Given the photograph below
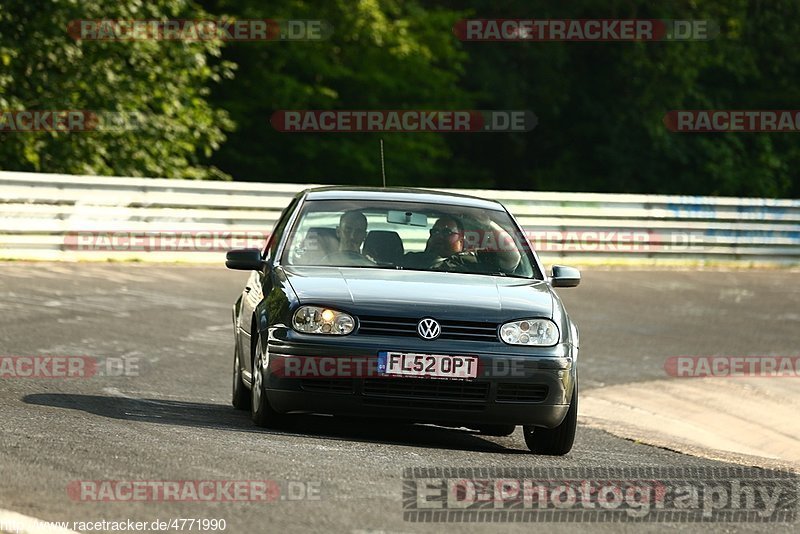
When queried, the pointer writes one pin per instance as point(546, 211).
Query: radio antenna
point(383, 166)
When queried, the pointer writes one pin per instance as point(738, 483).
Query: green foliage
point(43, 68)
point(600, 105)
point(390, 54)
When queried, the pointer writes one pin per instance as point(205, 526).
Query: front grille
point(424, 404)
point(511, 392)
point(427, 388)
point(317, 385)
point(407, 327)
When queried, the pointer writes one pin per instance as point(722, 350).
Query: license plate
point(427, 365)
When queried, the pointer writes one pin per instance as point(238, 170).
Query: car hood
point(406, 293)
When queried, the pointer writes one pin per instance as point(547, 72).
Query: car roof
point(400, 194)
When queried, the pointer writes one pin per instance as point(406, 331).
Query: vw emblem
point(428, 329)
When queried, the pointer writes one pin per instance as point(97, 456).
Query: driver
point(352, 231)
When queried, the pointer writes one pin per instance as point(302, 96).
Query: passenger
point(444, 250)
point(446, 238)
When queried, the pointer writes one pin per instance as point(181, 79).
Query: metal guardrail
point(64, 217)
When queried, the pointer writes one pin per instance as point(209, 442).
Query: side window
point(274, 237)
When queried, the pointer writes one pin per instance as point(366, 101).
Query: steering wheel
point(351, 256)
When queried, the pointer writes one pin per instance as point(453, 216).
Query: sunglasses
point(447, 232)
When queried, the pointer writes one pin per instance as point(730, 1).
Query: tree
point(390, 54)
point(600, 105)
point(43, 68)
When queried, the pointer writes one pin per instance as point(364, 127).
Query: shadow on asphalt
point(221, 417)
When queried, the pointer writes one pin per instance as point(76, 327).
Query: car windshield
point(409, 235)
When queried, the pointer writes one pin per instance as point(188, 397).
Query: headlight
point(533, 332)
point(318, 320)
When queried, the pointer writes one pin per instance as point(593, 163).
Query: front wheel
point(260, 410)
point(240, 397)
point(555, 441)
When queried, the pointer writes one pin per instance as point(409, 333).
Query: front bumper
point(514, 386)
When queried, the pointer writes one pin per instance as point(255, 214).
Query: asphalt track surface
point(174, 420)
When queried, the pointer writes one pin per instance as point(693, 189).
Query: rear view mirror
point(564, 276)
point(407, 218)
point(244, 259)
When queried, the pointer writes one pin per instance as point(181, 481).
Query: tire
point(554, 441)
point(260, 410)
point(496, 430)
point(240, 395)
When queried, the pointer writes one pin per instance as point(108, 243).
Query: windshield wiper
point(376, 266)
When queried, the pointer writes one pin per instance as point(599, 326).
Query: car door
point(257, 283)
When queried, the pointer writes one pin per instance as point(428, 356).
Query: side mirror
point(244, 259)
point(564, 276)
